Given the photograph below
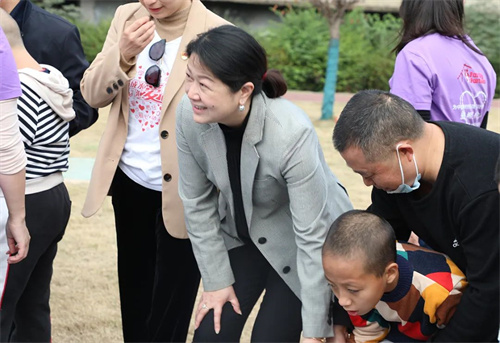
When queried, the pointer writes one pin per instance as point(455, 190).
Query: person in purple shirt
point(438, 68)
point(14, 236)
point(10, 87)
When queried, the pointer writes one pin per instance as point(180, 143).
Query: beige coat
point(105, 82)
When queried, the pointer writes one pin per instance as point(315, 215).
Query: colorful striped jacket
point(429, 288)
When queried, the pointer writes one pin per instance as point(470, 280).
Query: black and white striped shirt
point(45, 135)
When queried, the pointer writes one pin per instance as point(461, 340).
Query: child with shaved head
point(384, 284)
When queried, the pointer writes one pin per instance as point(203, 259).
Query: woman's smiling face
point(211, 99)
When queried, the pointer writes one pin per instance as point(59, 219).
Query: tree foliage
point(483, 26)
point(69, 12)
point(297, 46)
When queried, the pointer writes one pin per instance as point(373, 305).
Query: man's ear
point(391, 273)
point(406, 148)
point(246, 92)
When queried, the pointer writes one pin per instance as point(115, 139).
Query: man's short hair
point(375, 121)
point(361, 234)
point(11, 30)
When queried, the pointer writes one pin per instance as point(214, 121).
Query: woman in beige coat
point(140, 72)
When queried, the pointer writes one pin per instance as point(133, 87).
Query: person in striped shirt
point(14, 235)
point(44, 110)
point(390, 290)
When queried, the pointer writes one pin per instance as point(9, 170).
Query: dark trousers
point(157, 274)
point(279, 318)
point(25, 313)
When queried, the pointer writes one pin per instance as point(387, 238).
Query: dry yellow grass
point(84, 301)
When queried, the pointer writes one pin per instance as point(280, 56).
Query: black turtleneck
point(234, 139)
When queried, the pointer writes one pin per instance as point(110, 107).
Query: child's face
point(357, 291)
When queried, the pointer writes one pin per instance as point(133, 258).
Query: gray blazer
point(290, 197)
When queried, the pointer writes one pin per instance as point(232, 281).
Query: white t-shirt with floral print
point(140, 159)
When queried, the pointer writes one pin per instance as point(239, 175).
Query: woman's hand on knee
point(215, 300)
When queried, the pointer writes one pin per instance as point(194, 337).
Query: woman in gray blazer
point(257, 193)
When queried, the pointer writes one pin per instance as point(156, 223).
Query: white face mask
point(403, 187)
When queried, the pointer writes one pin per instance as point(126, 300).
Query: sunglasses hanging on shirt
point(153, 74)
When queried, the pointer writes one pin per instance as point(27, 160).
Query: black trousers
point(25, 313)
point(157, 274)
point(279, 318)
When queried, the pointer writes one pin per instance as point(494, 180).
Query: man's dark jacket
point(52, 40)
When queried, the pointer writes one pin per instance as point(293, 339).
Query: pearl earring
point(241, 108)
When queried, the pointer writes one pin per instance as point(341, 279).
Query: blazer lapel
point(249, 154)
point(215, 148)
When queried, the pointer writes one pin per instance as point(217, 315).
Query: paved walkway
point(79, 169)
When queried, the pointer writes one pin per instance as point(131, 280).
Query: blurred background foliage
point(297, 43)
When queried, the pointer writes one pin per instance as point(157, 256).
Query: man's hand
point(215, 300)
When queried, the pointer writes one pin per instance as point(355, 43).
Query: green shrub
point(69, 12)
point(483, 25)
point(365, 60)
point(93, 37)
point(297, 46)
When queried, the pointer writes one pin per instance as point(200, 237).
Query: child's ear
point(391, 272)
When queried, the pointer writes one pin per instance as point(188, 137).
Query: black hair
point(423, 17)
point(361, 234)
point(235, 57)
point(375, 121)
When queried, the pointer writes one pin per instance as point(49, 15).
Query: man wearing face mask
point(437, 180)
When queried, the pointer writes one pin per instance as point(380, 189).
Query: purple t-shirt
point(10, 87)
point(443, 75)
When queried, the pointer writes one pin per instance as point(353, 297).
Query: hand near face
point(215, 301)
point(136, 37)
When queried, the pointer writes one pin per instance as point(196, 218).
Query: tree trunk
point(330, 79)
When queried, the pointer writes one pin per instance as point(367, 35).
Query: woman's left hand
point(215, 300)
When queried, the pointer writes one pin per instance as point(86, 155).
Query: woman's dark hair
point(423, 17)
point(235, 57)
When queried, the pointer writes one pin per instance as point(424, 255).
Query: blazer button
point(262, 240)
point(120, 83)
point(115, 86)
point(164, 134)
point(109, 90)
point(286, 270)
point(167, 177)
